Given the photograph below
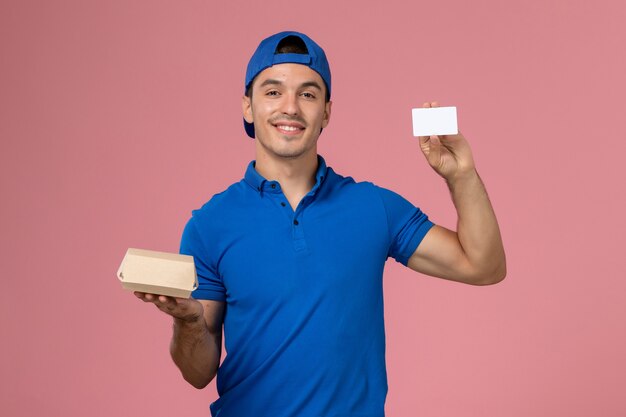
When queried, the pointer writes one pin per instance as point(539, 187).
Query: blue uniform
point(303, 326)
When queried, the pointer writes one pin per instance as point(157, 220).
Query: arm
point(196, 345)
point(474, 254)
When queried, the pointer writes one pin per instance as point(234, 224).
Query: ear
point(246, 108)
point(327, 114)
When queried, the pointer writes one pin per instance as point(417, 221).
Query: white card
point(434, 121)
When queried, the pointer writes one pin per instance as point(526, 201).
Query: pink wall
point(117, 118)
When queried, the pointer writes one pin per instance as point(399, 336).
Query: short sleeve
point(407, 225)
point(210, 285)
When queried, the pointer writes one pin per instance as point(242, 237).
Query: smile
point(289, 128)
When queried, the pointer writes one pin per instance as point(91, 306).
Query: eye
point(308, 95)
point(272, 93)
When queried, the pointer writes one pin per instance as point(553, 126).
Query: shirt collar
point(260, 183)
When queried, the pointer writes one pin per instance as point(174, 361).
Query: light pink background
point(117, 118)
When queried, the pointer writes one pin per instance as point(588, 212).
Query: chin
point(286, 148)
point(292, 154)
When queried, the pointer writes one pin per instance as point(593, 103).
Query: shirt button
point(273, 185)
point(282, 204)
point(295, 222)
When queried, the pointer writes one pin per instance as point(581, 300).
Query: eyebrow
point(271, 81)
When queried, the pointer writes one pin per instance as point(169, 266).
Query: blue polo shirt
point(303, 326)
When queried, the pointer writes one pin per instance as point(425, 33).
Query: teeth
point(291, 128)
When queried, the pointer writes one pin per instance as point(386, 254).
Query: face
point(288, 109)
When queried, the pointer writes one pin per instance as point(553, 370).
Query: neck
point(296, 176)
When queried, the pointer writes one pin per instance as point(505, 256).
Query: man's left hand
point(449, 155)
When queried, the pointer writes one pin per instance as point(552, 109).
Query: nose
point(290, 104)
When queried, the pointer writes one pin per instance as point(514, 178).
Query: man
point(290, 259)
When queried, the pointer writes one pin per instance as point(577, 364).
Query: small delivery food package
point(161, 273)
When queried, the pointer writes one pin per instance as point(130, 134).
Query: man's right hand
point(197, 335)
point(185, 309)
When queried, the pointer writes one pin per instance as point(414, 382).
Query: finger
point(434, 104)
point(156, 299)
point(142, 296)
point(145, 297)
point(167, 302)
point(173, 307)
point(423, 141)
point(426, 104)
point(435, 150)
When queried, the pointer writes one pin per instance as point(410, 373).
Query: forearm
point(477, 228)
point(196, 351)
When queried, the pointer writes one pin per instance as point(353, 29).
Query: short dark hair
point(291, 45)
point(288, 45)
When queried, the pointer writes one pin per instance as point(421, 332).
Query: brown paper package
point(160, 273)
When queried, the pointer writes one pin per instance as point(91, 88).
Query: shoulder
point(348, 183)
point(221, 203)
point(209, 219)
point(356, 193)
